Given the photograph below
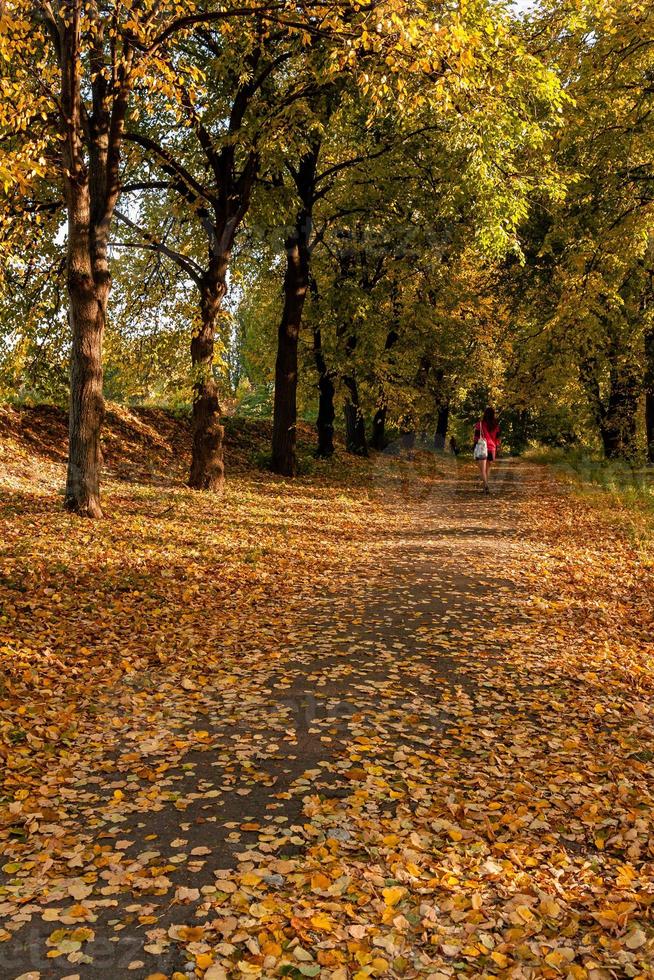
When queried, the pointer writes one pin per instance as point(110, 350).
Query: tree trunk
point(207, 466)
point(442, 422)
point(87, 308)
point(649, 425)
point(296, 285)
point(649, 394)
point(408, 439)
point(284, 436)
point(618, 425)
point(355, 426)
point(326, 392)
point(90, 197)
point(326, 416)
point(378, 437)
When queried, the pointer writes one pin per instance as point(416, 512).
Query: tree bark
point(87, 308)
point(284, 436)
point(233, 199)
point(649, 425)
point(442, 421)
point(296, 285)
point(378, 436)
point(207, 465)
point(408, 439)
point(619, 420)
point(326, 392)
point(355, 426)
point(90, 193)
point(91, 141)
point(616, 413)
point(649, 394)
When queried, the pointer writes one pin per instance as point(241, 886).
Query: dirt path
point(420, 784)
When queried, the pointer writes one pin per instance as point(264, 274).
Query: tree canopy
point(386, 210)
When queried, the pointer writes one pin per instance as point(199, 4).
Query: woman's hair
point(489, 418)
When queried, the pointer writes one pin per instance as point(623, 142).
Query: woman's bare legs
point(483, 469)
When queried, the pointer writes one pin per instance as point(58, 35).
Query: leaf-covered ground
point(365, 725)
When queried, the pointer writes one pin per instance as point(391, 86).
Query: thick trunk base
point(284, 457)
point(355, 431)
point(207, 464)
point(77, 501)
point(326, 392)
point(355, 424)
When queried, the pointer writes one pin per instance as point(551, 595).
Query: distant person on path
point(486, 431)
point(454, 446)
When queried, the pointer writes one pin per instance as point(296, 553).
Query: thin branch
point(192, 269)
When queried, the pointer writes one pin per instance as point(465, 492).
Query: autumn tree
point(585, 293)
point(77, 65)
point(248, 119)
point(254, 94)
point(87, 70)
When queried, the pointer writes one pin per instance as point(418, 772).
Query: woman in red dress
point(488, 429)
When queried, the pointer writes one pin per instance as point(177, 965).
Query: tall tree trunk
point(649, 394)
point(649, 424)
point(296, 285)
point(355, 426)
point(442, 421)
point(618, 424)
point(207, 465)
point(284, 436)
point(91, 139)
point(378, 436)
point(326, 392)
point(88, 207)
point(87, 308)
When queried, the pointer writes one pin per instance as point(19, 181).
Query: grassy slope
point(622, 493)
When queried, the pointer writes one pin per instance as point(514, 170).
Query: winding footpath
point(443, 771)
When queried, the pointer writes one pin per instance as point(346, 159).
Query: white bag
point(481, 446)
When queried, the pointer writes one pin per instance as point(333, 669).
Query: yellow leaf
point(555, 959)
point(322, 922)
point(250, 878)
point(320, 882)
point(393, 894)
point(549, 907)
